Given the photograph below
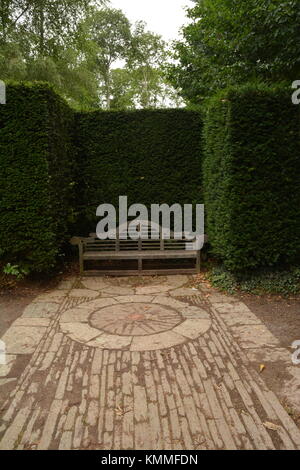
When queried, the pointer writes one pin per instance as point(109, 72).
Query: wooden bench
point(93, 249)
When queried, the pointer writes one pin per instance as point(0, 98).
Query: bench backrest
point(151, 239)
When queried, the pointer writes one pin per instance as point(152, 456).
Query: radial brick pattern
point(135, 319)
point(195, 389)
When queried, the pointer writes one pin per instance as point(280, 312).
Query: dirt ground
point(14, 300)
point(281, 316)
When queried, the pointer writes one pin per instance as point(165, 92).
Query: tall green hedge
point(149, 156)
point(252, 177)
point(54, 163)
point(36, 165)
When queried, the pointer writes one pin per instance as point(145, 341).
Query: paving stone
point(169, 302)
point(184, 291)
point(268, 354)
point(41, 310)
point(117, 290)
point(95, 283)
point(236, 307)
point(291, 386)
point(9, 362)
point(178, 280)
point(49, 427)
point(254, 336)
point(10, 439)
point(190, 386)
point(53, 296)
point(87, 293)
point(194, 313)
point(6, 381)
point(162, 286)
point(66, 284)
point(31, 321)
point(99, 303)
point(80, 331)
point(66, 441)
point(237, 314)
point(23, 339)
point(217, 298)
point(107, 341)
point(76, 315)
point(192, 328)
point(70, 420)
point(146, 290)
point(135, 299)
point(155, 342)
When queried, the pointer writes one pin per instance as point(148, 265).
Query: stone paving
point(139, 363)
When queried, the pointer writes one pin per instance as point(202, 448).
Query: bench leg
point(198, 262)
point(81, 267)
point(140, 266)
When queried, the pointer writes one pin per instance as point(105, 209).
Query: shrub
point(150, 156)
point(35, 176)
point(281, 281)
point(252, 177)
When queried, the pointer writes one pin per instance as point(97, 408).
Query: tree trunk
point(146, 99)
point(107, 89)
point(42, 30)
point(4, 20)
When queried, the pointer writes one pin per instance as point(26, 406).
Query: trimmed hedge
point(36, 164)
point(150, 156)
point(251, 172)
point(252, 177)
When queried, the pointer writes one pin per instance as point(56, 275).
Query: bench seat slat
point(148, 254)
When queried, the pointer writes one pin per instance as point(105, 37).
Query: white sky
point(164, 17)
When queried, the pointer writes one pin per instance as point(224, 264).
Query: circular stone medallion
point(135, 319)
point(134, 323)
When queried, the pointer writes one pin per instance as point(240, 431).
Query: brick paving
point(140, 363)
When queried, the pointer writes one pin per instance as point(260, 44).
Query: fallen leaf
point(271, 426)
point(262, 368)
point(120, 412)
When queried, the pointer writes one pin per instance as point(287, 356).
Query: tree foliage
point(233, 41)
point(106, 35)
point(77, 45)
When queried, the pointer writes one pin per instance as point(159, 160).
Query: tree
point(146, 58)
point(108, 33)
point(11, 12)
point(122, 89)
point(48, 22)
point(80, 49)
point(230, 41)
point(127, 91)
point(39, 41)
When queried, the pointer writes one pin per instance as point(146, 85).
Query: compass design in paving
point(135, 323)
point(135, 319)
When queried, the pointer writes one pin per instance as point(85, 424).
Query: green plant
point(252, 177)
point(15, 270)
point(282, 281)
point(150, 156)
point(232, 41)
point(36, 172)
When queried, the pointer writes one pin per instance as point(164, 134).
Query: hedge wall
point(150, 156)
point(36, 164)
point(252, 177)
